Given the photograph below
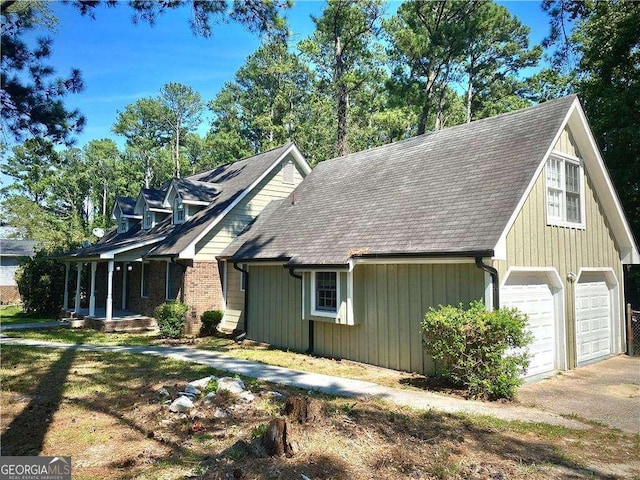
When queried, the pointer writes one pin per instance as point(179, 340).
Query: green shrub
point(171, 318)
point(482, 351)
point(41, 284)
point(210, 320)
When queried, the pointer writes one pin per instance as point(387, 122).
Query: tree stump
point(276, 439)
point(302, 409)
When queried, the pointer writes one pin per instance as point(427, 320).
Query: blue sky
point(122, 62)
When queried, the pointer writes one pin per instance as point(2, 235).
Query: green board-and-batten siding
point(275, 308)
point(533, 243)
point(389, 304)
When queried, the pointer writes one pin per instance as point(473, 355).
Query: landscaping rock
point(232, 385)
point(181, 404)
point(275, 395)
point(209, 399)
point(246, 397)
point(192, 390)
point(163, 393)
point(203, 382)
point(219, 413)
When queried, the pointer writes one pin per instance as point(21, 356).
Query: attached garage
point(593, 316)
point(536, 293)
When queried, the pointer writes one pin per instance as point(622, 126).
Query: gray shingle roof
point(447, 192)
point(153, 197)
point(230, 181)
point(16, 248)
point(126, 204)
point(194, 190)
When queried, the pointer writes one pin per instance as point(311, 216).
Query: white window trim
point(176, 202)
point(325, 313)
point(146, 211)
point(243, 266)
point(126, 224)
point(142, 275)
point(564, 158)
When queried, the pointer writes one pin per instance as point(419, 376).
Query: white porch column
point(92, 297)
point(125, 265)
point(76, 307)
point(65, 302)
point(109, 306)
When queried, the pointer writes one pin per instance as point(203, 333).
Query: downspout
point(494, 280)
point(246, 299)
point(311, 338)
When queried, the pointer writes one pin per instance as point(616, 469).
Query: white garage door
point(533, 296)
point(593, 317)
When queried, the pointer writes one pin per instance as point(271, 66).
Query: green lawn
point(12, 315)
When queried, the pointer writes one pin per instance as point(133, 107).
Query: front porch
point(119, 321)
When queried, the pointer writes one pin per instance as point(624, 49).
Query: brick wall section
point(202, 288)
point(9, 294)
point(202, 291)
point(156, 296)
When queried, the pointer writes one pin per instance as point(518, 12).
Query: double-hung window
point(325, 289)
point(123, 225)
point(147, 221)
point(564, 192)
point(178, 209)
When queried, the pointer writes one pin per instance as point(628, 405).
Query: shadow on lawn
point(25, 435)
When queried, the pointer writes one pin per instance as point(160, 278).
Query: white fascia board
point(190, 250)
point(137, 217)
point(299, 158)
point(500, 249)
point(165, 200)
point(140, 204)
point(111, 253)
point(115, 210)
point(605, 189)
point(195, 202)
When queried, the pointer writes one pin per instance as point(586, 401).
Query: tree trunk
point(104, 199)
point(342, 148)
point(177, 151)
point(470, 90)
point(147, 172)
point(428, 99)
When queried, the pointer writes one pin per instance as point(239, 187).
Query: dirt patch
point(104, 411)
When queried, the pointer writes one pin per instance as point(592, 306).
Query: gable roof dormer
point(124, 207)
point(152, 199)
point(192, 192)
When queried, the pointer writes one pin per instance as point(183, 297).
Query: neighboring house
point(12, 253)
point(517, 210)
point(166, 241)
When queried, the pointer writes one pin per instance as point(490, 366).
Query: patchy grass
point(248, 351)
point(85, 336)
point(12, 315)
point(102, 409)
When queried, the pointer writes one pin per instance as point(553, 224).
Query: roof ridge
point(243, 159)
point(474, 123)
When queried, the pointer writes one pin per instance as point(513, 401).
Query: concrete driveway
point(607, 392)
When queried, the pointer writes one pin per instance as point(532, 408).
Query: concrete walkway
point(31, 326)
point(338, 386)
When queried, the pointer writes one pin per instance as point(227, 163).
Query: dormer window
point(147, 221)
point(179, 213)
point(123, 225)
